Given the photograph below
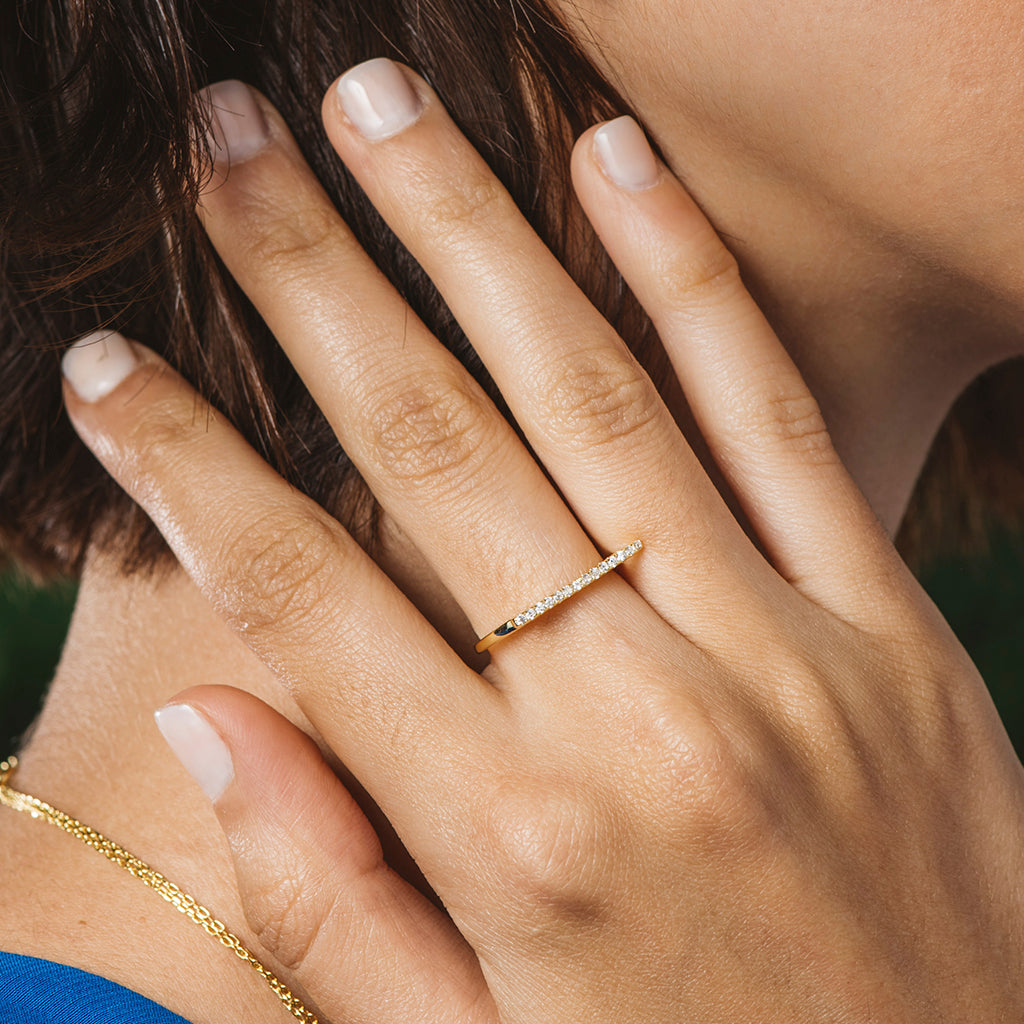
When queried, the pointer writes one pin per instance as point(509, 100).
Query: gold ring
point(526, 617)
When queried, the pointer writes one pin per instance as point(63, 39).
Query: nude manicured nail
point(197, 746)
point(97, 363)
point(378, 99)
point(238, 129)
point(625, 155)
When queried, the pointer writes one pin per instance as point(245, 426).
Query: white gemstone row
point(577, 584)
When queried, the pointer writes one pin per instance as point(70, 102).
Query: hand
point(726, 782)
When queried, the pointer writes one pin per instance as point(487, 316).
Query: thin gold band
point(526, 617)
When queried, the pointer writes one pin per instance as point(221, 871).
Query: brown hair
point(98, 188)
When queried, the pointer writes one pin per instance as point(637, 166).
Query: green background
point(983, 598)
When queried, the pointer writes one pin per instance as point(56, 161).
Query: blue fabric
point(42, 992)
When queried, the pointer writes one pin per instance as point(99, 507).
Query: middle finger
point(583, 401)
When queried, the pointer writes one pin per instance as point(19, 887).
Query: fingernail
point(197, 746)
point(97, 363)
point(238, 129)
point(378, 99)
point(625, 155)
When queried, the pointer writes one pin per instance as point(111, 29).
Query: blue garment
point(42, 992)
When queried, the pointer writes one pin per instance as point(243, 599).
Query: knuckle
point(794, 419)
point(694, 278)
point(155, 436)
point(699, 796)
point(542, 845)
point(427, 430)
point(465, 207)
point(683, 754)
point(722, 813)
point(780, 415)
point(160, 442)
point(596, 399)
point(284, 242)
point(285, 921)
point(280, 572)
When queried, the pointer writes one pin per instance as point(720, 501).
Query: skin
point(127, 632)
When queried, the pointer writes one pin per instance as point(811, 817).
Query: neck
point(95, 753)
point(885, 364)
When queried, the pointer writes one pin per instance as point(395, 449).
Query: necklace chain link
point(182, 901)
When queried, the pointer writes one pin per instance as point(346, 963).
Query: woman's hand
point(726, 782)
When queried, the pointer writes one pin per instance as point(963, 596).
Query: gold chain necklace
point(140, 869)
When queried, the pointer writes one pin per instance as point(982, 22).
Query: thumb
point(338, 922)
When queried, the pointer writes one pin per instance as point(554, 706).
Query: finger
point(433, 448)
point(388, 695)
point(588, 409)
point(316, 891)
point(753, 408)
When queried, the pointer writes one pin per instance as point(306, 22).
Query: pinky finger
point(756, 413)
point(338, 923)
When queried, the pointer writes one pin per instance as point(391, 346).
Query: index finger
point(384, 689)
